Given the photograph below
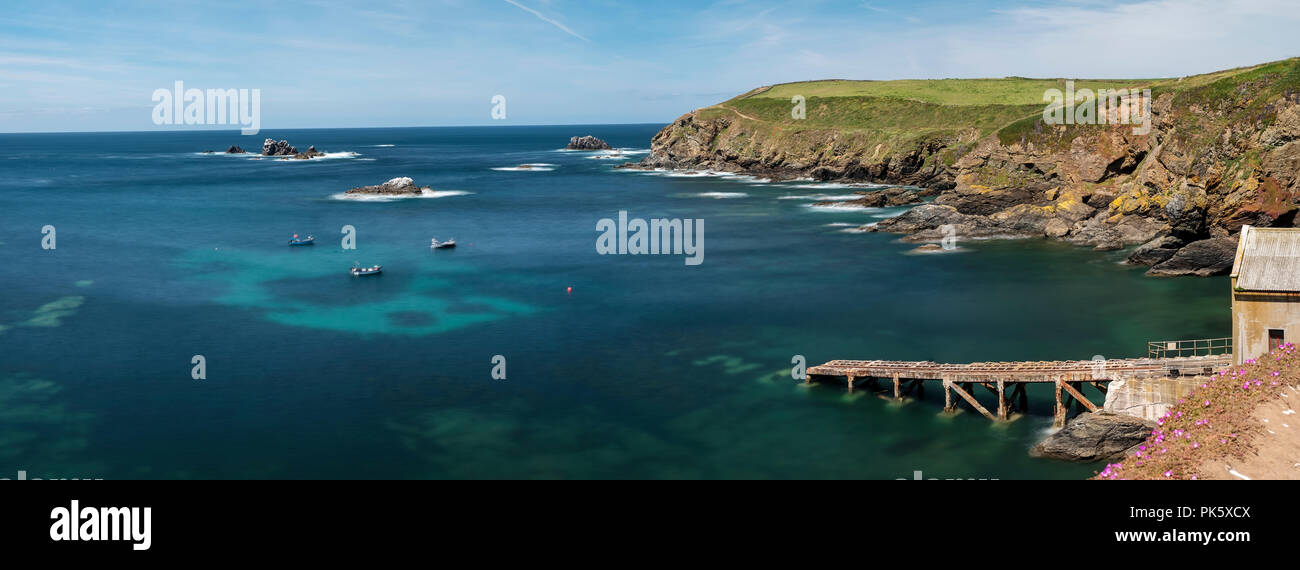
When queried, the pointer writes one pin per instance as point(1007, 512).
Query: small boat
point(304, 241)
point(443, 244)
point(359, 271)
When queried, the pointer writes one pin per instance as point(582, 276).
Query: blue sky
point(92, 66)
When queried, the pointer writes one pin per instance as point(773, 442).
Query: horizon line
point(236, 129)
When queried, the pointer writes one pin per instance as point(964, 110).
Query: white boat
point(435, 244)
point(375, 270)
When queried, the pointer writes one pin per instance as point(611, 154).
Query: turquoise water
point(648, 368)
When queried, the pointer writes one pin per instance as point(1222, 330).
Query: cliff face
point(1223, 150)
point(730, 144)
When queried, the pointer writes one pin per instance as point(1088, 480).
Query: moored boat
point(374, 270)
point(309, 240)
point(443, 244)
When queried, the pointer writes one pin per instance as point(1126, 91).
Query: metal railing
point(1186, 348)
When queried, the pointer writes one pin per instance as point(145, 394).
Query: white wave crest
point(720, 195)
point(532, 167)
point(385, 198)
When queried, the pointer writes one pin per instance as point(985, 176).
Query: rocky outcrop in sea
point(1095, 436)
point(272, 147)
point(587, 143)
point(885, 197)
point(395, 187)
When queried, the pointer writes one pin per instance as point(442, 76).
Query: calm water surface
point(648, 368)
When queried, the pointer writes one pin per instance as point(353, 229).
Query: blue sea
point(615, 366)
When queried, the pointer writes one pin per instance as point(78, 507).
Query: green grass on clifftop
point(902, 114)
point(1009, 91)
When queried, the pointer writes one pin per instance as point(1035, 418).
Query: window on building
point(1276, 338)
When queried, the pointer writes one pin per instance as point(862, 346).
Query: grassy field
point(887, 118)
point(1010, 91)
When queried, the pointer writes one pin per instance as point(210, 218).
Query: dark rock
point(282, 148)
point(311, 153)
point(1155, 251)
point(989, 202)
point(587, 143)
point(1095, 436)
point(926, 223)
point(824, 173)
point(879, 198)
point(395, 187)
point(1202, 258)
point(234, 150)
point(1100, 198)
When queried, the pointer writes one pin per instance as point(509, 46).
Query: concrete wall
point(1253, 314)
point(1148, 398)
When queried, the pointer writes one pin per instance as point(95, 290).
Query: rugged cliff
point(1222, 150)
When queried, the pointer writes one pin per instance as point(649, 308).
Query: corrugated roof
point(1270, 260)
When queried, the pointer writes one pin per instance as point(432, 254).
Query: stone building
point(1265, 291)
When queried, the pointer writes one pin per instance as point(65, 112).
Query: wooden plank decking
point(1067, 376)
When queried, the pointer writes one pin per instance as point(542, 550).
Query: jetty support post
point(948, 405)
point(898, 395)
point(1002, 400)
point(1077, 392)
point(1058, 412)
point(850, 379)
point(965, 395)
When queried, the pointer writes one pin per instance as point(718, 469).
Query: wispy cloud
point(544, 18)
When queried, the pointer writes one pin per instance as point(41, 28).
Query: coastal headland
point(1218, 151)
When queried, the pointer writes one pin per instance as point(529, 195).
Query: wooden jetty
point(1067, 376)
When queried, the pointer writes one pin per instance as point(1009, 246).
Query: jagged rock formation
point(311, 152)
point(286, 151)
point(234, 150)
point(587, 143)
point(1095, 436)
point(395, 187)
point(1223, 150)
point(270, 147)
point(882, 198)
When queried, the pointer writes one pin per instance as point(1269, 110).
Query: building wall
point(1253, 314)
point(1148, 398)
